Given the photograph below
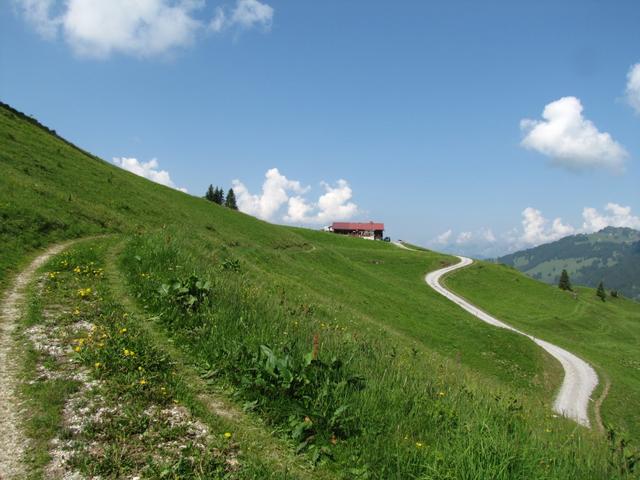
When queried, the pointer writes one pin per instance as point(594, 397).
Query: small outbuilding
point(368, 230)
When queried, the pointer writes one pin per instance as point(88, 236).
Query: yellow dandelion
point(419, 445)
point(441, 394)
point(143, 381)
point(227, 434)
point(77, 349)
point(97, 364)
point(123, 330)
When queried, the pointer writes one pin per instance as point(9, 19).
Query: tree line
point(216, 195)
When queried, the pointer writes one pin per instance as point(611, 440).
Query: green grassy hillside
point(611, 255)
point(606, 334)
point(335, 343)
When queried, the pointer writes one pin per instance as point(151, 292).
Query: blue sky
point(410, 113)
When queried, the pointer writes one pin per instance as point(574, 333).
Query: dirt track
point(580, 379)
point(12, 440)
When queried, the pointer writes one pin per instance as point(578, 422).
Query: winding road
point(580, 378)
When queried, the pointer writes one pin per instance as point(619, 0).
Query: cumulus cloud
point(537, 229)
point(278, 191)
point(464, 237)
point(570, 139)
point(444, 237)
point(633, 87)
point(615, 216)
point(98, 28)
point(149, 170)
point(275, 193)
point(334, 205)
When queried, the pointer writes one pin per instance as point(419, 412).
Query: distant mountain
point(611, 255)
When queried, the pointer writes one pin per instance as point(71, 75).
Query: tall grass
point(386, 412)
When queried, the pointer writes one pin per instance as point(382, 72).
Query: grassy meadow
point(332, 349)
point(606, 334)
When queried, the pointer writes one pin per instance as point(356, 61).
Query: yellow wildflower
point(227, 434)
point(77, 349)
point(143, 381)
point(419, 445)
point(97, 364)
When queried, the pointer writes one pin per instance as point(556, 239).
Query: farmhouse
point(369, 230)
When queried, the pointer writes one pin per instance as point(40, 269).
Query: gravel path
point(580, 378)
point(12, 441)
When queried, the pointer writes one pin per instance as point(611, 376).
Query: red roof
point(357, 226)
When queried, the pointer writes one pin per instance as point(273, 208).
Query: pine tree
point(601, 293)
point(220, 197)
point(230, 202)
point(564, 283)
point(210, 195)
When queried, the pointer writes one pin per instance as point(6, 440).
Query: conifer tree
point(230, 202)
point(601, 293)
point(210, 195)
point(220, 196)
point(564, 283)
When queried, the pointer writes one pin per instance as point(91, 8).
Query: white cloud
point(444, 237)
point(275, 194)
point(537, 230)
point(98, 28)
point(38, 14)
point(633, 87)
point(464, 237)
point(219, 20)
point(333, 205)
point(251, 12)
point(246, 14)
point(570, 139)
point(277, 191)
point(616, 216)
point(148, 170)
point(488, 236)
